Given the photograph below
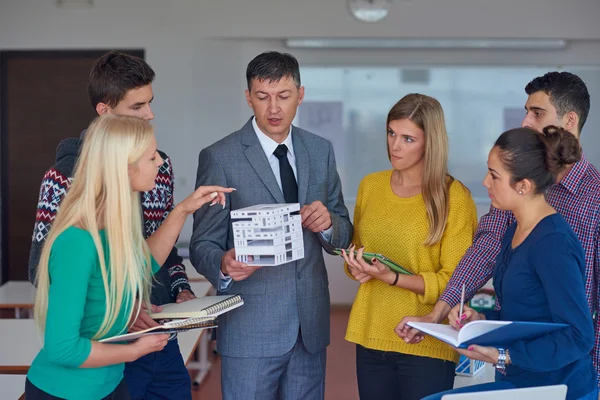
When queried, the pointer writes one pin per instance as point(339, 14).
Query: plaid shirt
point(577, 199)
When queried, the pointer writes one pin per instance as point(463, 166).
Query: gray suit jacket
point(278, 300)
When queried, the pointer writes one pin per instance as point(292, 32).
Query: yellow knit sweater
point(397, 227)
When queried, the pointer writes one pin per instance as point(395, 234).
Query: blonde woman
point(423, 219)
point(96, 263)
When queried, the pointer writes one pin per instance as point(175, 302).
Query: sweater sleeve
point(477, 265)
point(52, 190)
point(174, 262)
point(72, 260)
point(457, 237)
point(558, 262)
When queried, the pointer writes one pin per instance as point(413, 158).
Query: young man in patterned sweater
point(121, 84)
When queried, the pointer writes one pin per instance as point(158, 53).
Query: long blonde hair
point(427, 113)
point(101, 197)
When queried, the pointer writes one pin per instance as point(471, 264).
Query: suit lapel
point(256, 157)
point(302, 166)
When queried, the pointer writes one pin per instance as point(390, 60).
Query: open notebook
point(208, 306)
point(181, 325)
point(487, 333)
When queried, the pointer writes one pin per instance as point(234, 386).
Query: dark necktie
point(288, 180)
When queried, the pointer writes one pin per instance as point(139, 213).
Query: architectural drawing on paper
point(268, 234)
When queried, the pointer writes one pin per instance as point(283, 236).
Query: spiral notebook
point(208, 306)
point(169, 327)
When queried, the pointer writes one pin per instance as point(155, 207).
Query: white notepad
point(208, 306)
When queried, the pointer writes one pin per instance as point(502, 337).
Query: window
point(349, 106)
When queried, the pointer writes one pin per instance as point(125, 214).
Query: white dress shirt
point(269, 145)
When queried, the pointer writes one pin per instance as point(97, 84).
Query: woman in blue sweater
point(540, 270)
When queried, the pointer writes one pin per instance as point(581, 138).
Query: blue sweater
point(542, 280)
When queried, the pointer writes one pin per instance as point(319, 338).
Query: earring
point(520, 192)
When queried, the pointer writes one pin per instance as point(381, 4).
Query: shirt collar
point(571, 181)
point(269, 145)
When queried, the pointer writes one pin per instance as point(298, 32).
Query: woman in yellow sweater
point(423, 219)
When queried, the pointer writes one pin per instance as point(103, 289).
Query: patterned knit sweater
point(397, 227)
point(156, 205)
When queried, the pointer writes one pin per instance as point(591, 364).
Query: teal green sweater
point(76, 307)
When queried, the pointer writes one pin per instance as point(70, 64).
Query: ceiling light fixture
point(383, 43)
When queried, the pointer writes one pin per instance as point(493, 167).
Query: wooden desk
point(19, 345)
point(17, 295)
point(12, 386)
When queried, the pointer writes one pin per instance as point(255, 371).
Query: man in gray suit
point(275, 345)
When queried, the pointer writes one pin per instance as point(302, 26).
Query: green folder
point(381, 258)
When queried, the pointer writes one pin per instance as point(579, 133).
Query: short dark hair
point(114, 74)
point(273, 66)
point(539, 157)
point(567, 93)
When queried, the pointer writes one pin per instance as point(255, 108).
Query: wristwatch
point(503, 360)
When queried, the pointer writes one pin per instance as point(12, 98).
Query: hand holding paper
point(143, 320)
point(234, 268)
point(149, 344)
point(408, 333)
point(315, 217)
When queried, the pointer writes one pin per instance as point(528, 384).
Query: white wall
point(574, 19)
point(199, 50)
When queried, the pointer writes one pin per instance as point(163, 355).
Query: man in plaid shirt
point(561, 99)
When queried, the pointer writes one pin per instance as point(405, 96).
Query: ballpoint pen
point(462, 302)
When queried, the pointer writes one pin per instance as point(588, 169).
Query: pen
point(462, 302)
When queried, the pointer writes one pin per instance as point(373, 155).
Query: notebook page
point(477, 328)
